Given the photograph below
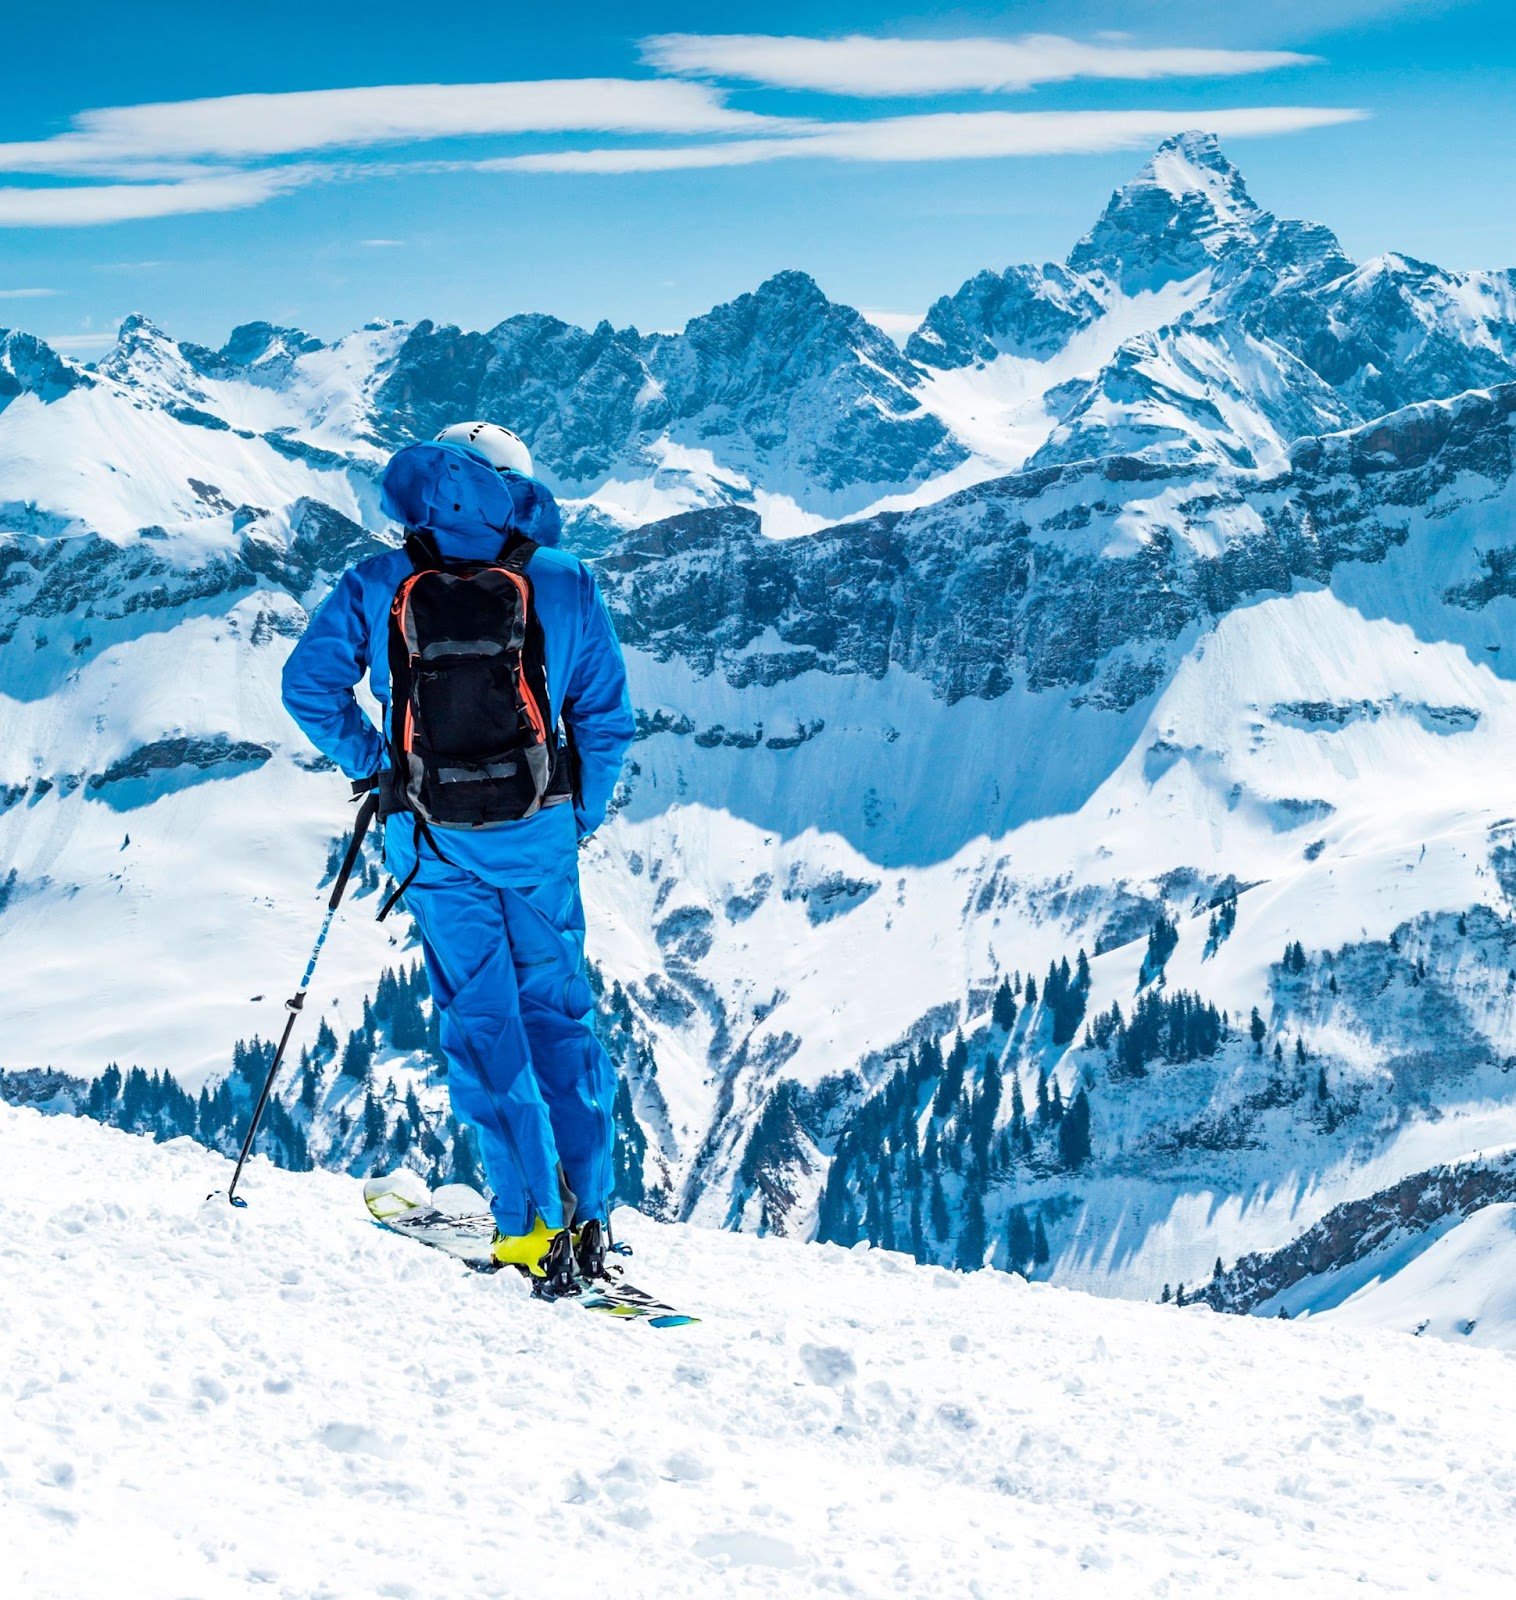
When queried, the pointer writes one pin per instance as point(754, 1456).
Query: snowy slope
point(200, 1401)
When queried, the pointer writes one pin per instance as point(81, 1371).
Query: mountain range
point(1070, 823)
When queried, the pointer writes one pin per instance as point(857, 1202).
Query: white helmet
point(504, 451)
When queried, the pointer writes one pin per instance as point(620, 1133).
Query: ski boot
point(545, 1255)
point(589, 1251)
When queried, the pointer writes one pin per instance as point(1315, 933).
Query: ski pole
point(296, 1002)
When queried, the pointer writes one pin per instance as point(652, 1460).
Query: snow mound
point(1460, 1286)
point(200, 1401)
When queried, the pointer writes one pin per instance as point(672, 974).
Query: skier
point(483, 841)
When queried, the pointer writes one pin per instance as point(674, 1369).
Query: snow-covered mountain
point(1152, 606)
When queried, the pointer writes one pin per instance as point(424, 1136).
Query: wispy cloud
point(79, 341)
point(28, 294)
point(82, 205)
point(859, 65)
point(157, 140)
point(942, 136)
point(382, 244)
point(173, 158)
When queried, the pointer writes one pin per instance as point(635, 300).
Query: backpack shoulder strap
point(421, 547)
point(517, 551)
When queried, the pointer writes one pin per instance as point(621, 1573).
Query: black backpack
point(470, 744)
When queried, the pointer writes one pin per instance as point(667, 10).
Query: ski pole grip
point(349, 861)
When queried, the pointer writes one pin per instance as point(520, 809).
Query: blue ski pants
point(525, 1068)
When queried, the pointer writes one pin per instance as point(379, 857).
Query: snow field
point(289, 1401)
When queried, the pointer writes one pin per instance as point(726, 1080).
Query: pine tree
point(326, 1042)
point(373, 1122)
point(408, 1021)
point(1030, 998)
point(1322, 1092)
point(1042, 1095)
point(1299, 1050)
point(385, 996)
point(1041, 1254)
point(941, 1223)
point(986, 1110)
point(885, 1237)
point(1257, 1029)
point(1074, 1132)
point(971, 1239)
point(1166, 1296)
point(1020, 1243)
point(912, 1179)
point(357, 1055)
point(1163, 940)
point(1003, 1014)
point(950, 1086)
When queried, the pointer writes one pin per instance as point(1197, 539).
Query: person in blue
point(498, 910)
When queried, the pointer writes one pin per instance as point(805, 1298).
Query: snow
point(201, 1401)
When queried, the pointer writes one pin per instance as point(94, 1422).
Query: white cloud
point(27, 294)
point(945, 136)
point(78, 341)
point(382, 244)
point(896, 325)
point(87, 204)
point(155, 141)
point(858, 65)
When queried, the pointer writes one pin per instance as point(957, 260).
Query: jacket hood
point(456, 494)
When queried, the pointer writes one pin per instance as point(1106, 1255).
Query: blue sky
point(644, 170)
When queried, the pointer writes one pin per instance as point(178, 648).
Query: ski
point(456, 1220)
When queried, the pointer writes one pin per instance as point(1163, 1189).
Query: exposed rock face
point(1354, 1231)
point(1007, 582)
point(28, 366)
point(1023, 311)
point(781, 381)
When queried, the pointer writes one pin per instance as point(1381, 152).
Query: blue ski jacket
point(470, 507)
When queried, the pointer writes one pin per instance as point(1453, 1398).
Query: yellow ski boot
point(545, 1254)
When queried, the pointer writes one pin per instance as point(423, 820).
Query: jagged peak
point(138, 325)
point(1186, 208)
point(1193, 163)
point(142, 346)
point(253, 342)
point(29, 365)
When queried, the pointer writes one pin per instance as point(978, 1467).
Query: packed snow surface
point(290, 1401)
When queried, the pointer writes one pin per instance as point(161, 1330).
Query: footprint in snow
point(741, 1549)
point(828, 1364)
point(352, 1438)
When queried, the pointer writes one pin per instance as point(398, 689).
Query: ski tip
point(394, 1194)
